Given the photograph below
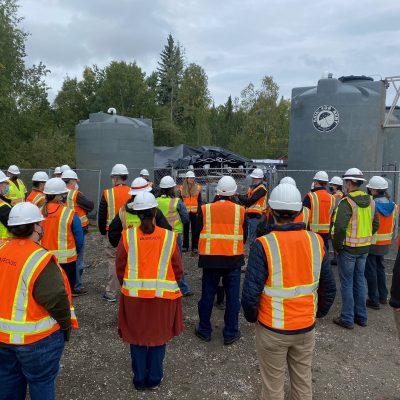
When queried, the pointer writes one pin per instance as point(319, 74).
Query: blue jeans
point(80, 266)
point(183, 285)
point(351, 273)
point(376, 278)
point(231, 284)
point(252, 228)
point(147, 365)
point(35, 364)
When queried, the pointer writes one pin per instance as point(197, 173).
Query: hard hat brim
point(280, 205)
point(137, 191)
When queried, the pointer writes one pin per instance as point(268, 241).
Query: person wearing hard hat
point(36, 196)
point(223, 232)
point(280, 293)
point(78, 202)
point(5, 207)
point(57, 172)
point(144, 173)
point(36, 312)
point(126, 218)
point(64, 168)
point(381, 241)
point(255, 202)
point(356, 221)
point(336, 189)
point(63, 234)
point(149, 269)
point(17, 190)
point(190, 193)
point(176, 214)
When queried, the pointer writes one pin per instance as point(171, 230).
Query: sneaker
point(338, 321)
point(228, 342)
point(109, 299)
point(201, 336)
point(155, 387)
point(361, 323)
point(372, 305)
point(80, 292)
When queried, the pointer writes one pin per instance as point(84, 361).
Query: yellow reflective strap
point(208, 228)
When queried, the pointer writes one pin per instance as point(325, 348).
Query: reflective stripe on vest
point(73, 205)
point(128, 220)
point(384, 235)
point(109, 196)
point(208, 235)
point(36, 199)
point(304, 216)
point(191, 202)
point(260, 206)
point(16, 194)
point(276, 291)
point(169, 207)
point(4, 233)
point(160, 285)
point(315, 223)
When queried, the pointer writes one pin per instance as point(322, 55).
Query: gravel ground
point(359, 364)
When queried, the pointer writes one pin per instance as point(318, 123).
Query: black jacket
point(249, 201)
point(257, 275)
point(5, 211)
point(395, 290)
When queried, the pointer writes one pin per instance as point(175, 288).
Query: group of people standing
point(289, 281)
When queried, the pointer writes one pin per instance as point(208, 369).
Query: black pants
point(192, 226)
point(70, 271)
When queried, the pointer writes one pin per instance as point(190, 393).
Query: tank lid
point(350, 78)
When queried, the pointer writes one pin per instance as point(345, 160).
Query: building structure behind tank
point(106, 139)
point(336, 125)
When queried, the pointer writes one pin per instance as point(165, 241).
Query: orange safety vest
point(191, 202)
point(36, 197)
point(260, 206)
point(304, 216)
point(22, 319)
point(289, 299)
point(58, 237)
point(322, 207)
point(222, 232)
point(149, 272)
point(384, 234)
point(115, 197)
point(338, 196)
point(73, 205)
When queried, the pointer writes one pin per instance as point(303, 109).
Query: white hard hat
point(257, 174)
point(144, 172)
point(321, 176)
point(40, 176)
point(289, 180)
point(119, 169)
point(167, 182)
point(139, 185)
point(57, 170)
point(190, 174)
point(378, 183)
point(3, 177)
point(226, 186)
point(55, 186)
point(144, 201)
point(353, 174)
point(13, 169)
point(24, 213)
point(336, 180)
point(69, 174)
point(64, 167)
point(285, 197)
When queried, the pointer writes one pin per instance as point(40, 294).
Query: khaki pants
point(397, 320)
point(113, 285)
point(274, 351)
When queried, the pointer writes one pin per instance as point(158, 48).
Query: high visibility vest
point(36, 197)
point(149, 272)
point(115, 197)
point(322, 207)
point(22, 319)
point(4, 233)
point(222, 232)
point(73, 205)
point(260, 206)
point(289, 299)
point(128, 220)
point(169, 207)
point(58, 237)
point(16, 194)
point(304, 216)
point(191, 202)
point(359, 230)
point(384, 235)
point(338, 196)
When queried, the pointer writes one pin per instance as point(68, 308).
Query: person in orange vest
point(36, 196)
point(149, 269)
point(78, 202)
point(36, 312)
point(190, 193)
point(280, 294)
point(63, 234)
point(255, 202)
point(381, 241)
point(5, 207)
point(223, 232)
point(111, 202)
point(17, 190)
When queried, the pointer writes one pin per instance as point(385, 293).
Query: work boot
point(80, 292)
point(338, 321)
point(228, 342)
point(372, 305)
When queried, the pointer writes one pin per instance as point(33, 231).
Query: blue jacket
point(77, 231)
point(257, 275)
point(182, 211)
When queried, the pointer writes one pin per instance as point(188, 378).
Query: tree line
point(37, 133)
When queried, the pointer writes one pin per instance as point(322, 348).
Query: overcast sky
point(235, 41)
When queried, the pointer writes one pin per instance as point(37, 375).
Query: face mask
point(312, 186)
point(41, 233)
point(76, 186)
point(5, 191)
